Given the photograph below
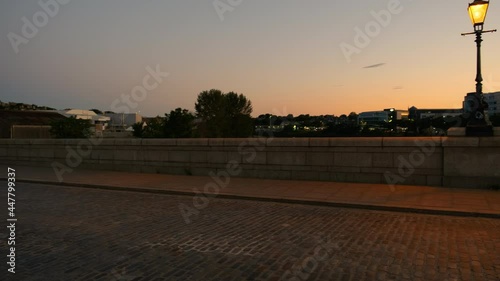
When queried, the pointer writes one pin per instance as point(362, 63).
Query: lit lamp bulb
point(477, 13)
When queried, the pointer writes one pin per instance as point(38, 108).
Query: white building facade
point(125, 120)
point(86, 115)
point(493, 100)
point(373, 117)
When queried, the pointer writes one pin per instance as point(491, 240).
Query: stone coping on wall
point(276, 142)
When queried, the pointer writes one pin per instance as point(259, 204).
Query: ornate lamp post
point(475, 106)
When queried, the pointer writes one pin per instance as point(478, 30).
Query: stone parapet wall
point(437, 161)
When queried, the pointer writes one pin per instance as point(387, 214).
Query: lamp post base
point(475, 112)
point(479, 131)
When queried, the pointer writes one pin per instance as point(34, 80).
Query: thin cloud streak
point(375, 65)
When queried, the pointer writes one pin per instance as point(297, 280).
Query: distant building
point(389, 115)
point(417, 114)
point(123, 119)
point(99, 122)
point(398, 114)
point(373, 117)
point(493, 100)
point(120, 121)
point(86, 115)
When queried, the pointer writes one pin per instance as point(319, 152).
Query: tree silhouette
point(224, 115)
point(70, 128)
point(154, 128)
point(179, 124)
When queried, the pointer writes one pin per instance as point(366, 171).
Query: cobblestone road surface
point(69, 233)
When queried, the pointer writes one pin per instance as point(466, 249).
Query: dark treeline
point(218, 115)
point(228, 115)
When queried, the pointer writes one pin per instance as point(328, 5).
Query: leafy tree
point(241, 126)
point(263, 120)
point(224, 115)
point(353, 117)
point(70, 128)
point(154, 128)
point(342, 129)
point(302, 118)
point(238, 120)
point(179, 124)
point(209, 109)
point(315, 122)
point(138, 129)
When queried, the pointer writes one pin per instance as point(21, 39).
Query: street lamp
point(475, 105)
point(477, 13)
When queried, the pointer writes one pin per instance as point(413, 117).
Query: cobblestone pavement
point(69, 233)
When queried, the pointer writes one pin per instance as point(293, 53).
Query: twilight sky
point(285, 56)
